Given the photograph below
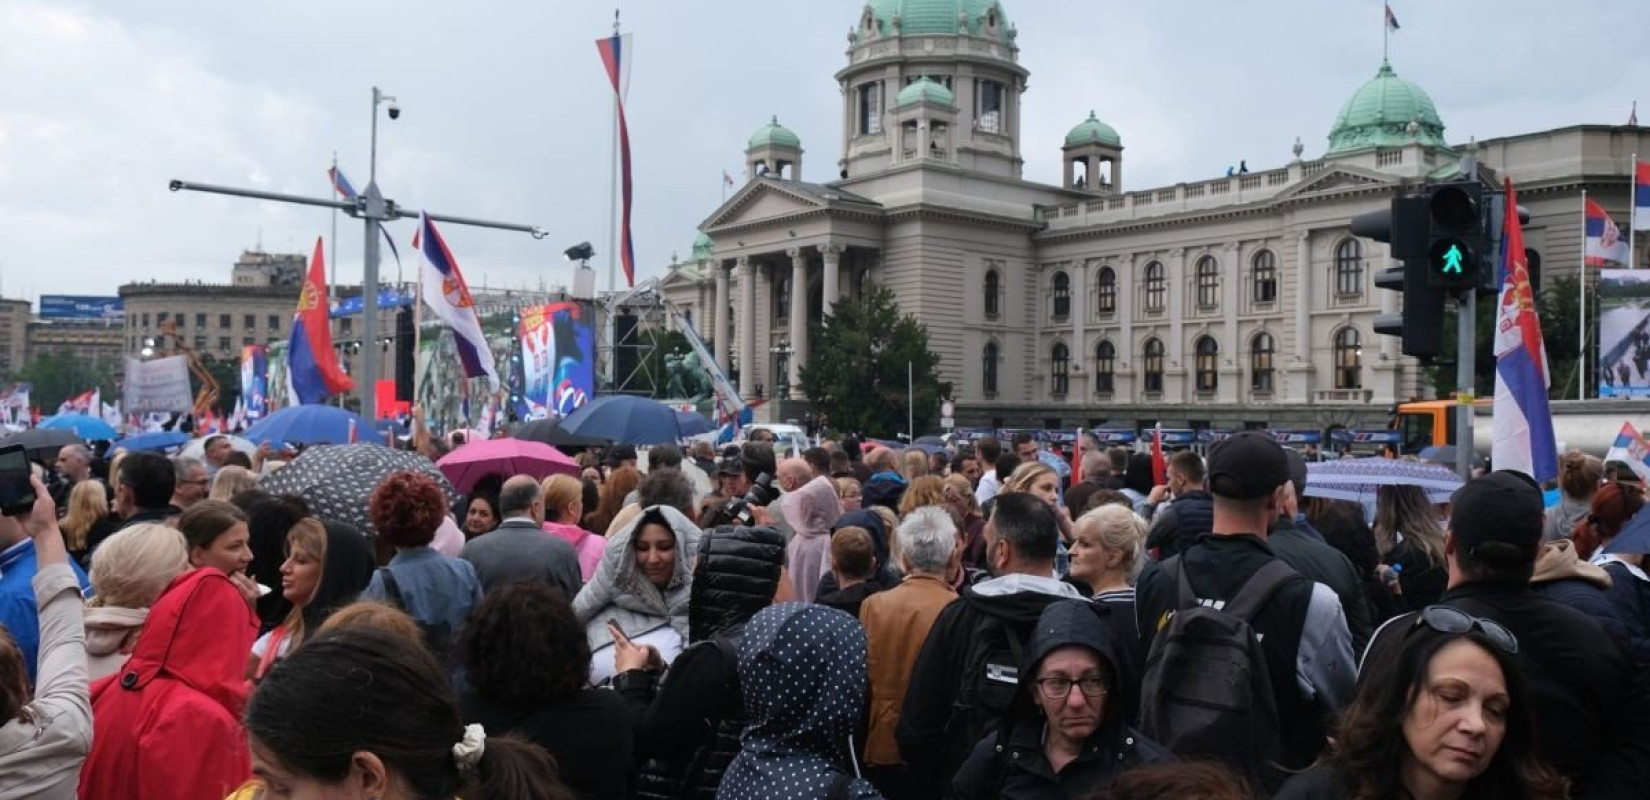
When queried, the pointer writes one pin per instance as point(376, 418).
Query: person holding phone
point(44, 738)
point(642, 586)
point(19, 610)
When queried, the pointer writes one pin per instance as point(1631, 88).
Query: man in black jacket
point(943, 715)
point(1592, 708)
point(1318, 561)
point(1191, 512)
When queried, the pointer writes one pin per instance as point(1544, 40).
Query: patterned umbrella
point(1359, 479)
point(337, 480)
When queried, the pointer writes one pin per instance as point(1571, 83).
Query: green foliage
point(1560, 308)
point(856, 368)
point(59, 376)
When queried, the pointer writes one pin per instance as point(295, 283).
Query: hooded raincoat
point(811, 510)
point(802, 671)
point(167, 725)
point(621, 593)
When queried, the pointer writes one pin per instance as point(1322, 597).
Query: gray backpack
point(1207, 691)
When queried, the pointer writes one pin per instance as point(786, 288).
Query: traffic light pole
point(1466, 351)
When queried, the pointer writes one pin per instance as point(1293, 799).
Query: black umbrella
point(549, 432)
point(337, 480)
point(41, 441)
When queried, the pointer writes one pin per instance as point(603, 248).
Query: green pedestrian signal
point(1452, 261)
point(1452, 265)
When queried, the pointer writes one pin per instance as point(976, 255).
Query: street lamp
point(782, 381)
point(374, 214)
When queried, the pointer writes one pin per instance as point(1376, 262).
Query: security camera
point(395, 111)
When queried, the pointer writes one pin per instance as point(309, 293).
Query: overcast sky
point(507, 109)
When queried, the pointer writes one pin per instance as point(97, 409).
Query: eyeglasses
point(1060, 688)
point(1445, 619)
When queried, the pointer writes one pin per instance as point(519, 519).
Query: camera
point(738, 512)
point(395, 111)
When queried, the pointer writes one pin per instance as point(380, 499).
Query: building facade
point(14, 322)
point(94, 341)
point(1243, 299)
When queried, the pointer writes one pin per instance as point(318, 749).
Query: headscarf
point(811, 510)
point(621, 593)
point(345, 573)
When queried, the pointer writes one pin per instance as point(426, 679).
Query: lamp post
point(372, 216)
point(782, 381)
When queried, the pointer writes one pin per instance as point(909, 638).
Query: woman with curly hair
point(614, 490)
point(437, 591)
point(1446, 716)
point(528, 665)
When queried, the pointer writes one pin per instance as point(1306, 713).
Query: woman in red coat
point(167, 725)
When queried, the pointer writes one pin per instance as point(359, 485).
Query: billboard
point(254, 381)
point(76, 306)
point(450, 401)
point(558, 359)
point(1624, 333)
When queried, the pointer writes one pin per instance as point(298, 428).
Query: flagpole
point(1386, 29)
point(330, 191)
point(1581, 358)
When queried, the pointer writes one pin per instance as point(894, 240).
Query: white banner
point(161, 384)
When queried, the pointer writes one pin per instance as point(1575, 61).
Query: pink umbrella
point(469, 464)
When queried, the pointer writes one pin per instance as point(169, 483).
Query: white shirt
point(988, 488)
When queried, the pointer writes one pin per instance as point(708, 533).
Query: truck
point(1586, 425)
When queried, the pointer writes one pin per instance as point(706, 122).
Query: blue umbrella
point(315, 424)
point(86, 427)
point(1634, 538)
point(693, 423)
point(625, 419)
point(159, 440)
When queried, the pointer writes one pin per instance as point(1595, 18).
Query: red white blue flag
point(1605, 244)
point(615, 52)
point(312, 365)
point(446, 293)
point(1641, 196)
point(1391, 18)
point(341, 184)
point(1523, 424)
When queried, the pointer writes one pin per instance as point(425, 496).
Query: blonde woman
point(848, 492)
point(130, 570)
point(1037, 478)
point(230, 481)
point(913, 464)
point(88, 522)
point(925, 490)
point(327, 566)
point(563, 509)
point(1107, 552)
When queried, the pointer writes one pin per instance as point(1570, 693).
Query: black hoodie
point(930, 741)
point(345, 573)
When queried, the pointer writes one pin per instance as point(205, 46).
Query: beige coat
point(896, 624)
point(41, 751)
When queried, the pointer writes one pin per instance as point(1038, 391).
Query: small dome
point(774, 134)
point(1379, 115)
point(703, 248)
point(930, 17)
point(926, 89)
point(1093, 131)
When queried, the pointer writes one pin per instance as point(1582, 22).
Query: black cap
point(731, 465)
point(1297, 470)
point(620, 453)
point(1247, 466)
point(1498, 517)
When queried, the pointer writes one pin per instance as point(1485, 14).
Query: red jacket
point(167, 725)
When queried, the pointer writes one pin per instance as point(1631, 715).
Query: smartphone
point(16, 493)
point(618, 634)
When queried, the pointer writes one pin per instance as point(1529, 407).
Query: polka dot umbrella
point(337, 480)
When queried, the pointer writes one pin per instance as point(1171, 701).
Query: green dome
point(1093, 131)
point(776, 135)
point(1379, 115)
point(703, 248)
point(928, 17)
point(926, 89)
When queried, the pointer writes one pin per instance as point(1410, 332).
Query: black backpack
point(1207, 690)
point(990, 682)
point(438, 636)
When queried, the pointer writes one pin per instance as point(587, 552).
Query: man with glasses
point(192, 482)
point(1592, 707)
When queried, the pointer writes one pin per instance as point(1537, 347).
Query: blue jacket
point(19, 611)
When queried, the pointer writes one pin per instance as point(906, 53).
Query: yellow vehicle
point(1586, 425)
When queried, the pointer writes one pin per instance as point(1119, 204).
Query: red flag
point(1160, 465)
point(1077, 459)
point(311, 361)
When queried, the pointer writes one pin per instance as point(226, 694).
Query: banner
point(558, 359)
point(74, 306)
point(1624, 333)
point(14, 403)
point(254, 381)
point(161, 384)
point(277, 381)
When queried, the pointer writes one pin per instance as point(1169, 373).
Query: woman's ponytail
point(514, 769)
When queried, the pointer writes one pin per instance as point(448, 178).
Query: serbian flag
point(312, 365)
point(1523, 424)
point(1641, 196)
point(1631, 448)
point(615, 52)
point(1160, 465)
point(1391, 18)
point(341, 184)
point(1605, 244)
point(446, 293)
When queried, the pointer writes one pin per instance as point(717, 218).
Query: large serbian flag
point(1605, 244)
point(615, 52)
point(1523, 421)
point(311, 362)
point(1641, 195)
point(446, 293)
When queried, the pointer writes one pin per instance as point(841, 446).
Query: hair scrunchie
point(467, 751)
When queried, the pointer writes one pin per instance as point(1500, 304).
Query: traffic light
point(1405, 226)
point(1457, 235)
point(404, 363)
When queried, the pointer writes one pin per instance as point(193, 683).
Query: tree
point(58, 376)
point(856, 370)
point(1560, 309)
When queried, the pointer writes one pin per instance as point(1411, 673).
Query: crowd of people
point(848, 622)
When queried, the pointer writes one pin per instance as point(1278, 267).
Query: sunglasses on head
point(1445, 619)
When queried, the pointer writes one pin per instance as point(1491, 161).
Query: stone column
point(1303, 297)
point(721, 331)
point(1079, 348)
point(829, 282)
point(1232, 349)
point(799, 317)
point(747, 327)
point(1123, 383)
point(1177, 311)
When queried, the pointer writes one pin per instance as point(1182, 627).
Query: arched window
point(1208, 283)
point(1154, 366)
point(1154, 287)
point(1105, 291)
point(1062, 295)
point(1349, 268)
point(993, 293)
point(988, 368)
point(1265, 276)
point(1105, 367)
point(1060, 368)
point(1348, 359)
point(782, 297)
point(1208, 364)
point(1261, 349)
